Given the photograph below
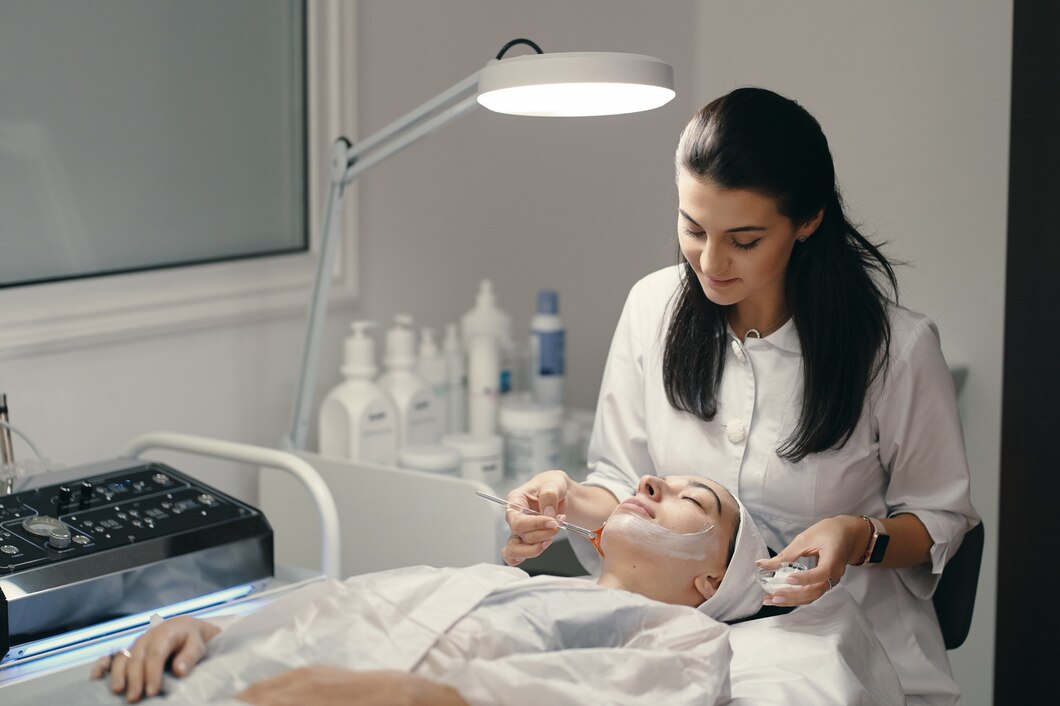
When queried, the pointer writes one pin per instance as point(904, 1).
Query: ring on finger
point(124, 652)
point(832, 583)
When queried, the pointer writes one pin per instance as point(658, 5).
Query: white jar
point(532, 437)
point(481, 457)
point(431, 458)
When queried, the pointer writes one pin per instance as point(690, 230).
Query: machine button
point(65, 498)
point(122, 516)
point(160, 478)
point(137, 523)
point(81, 539)
point(60, 539)
point(8, 549)
point(134, 513)
point(206, 499)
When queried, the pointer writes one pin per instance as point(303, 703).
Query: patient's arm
point(324, 686)
point(183, 639)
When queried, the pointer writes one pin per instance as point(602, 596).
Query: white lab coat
point(905, 456)
point(495, 634)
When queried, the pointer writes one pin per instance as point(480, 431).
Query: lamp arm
point(348, 163)
point(388, 132)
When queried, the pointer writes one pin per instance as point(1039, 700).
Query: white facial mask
point(658, 540)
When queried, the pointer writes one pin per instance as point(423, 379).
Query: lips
point(721, 283)
point(638, 505)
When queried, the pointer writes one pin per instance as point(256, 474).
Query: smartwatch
point(877, 546)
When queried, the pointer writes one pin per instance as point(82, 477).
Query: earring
point(803, 239)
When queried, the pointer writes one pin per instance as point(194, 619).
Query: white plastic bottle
point(432, 368)
point(483, 376)
point(547, 350)
point(487, 318)
point(417, 423)
point(358, 419)
point(456, 371)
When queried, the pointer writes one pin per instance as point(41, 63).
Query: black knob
point(66, 494)
point(86, 493)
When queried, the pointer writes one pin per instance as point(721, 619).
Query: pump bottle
point(417, 421)
point(358, 420)
point(432, 368)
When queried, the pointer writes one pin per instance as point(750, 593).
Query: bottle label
point(422, 422)
point(549, 353)
point(378, 442)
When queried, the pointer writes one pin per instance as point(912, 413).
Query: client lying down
point(490, 634)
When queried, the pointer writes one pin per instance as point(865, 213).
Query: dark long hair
point(836, 283)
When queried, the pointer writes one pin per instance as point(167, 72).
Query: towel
point(739, 594)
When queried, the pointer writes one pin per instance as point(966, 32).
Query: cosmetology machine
point(98, 549)
point(126, 537)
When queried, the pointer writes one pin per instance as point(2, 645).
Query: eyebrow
point(697, 484)
point(740, 229)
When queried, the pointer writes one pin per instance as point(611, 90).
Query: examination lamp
point(554, 85)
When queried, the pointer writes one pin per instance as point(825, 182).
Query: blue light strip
point(75, 637)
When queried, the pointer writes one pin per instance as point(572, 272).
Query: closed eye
point(698, 504)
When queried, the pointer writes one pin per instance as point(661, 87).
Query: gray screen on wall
point(137, 134)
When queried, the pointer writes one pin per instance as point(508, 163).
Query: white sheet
point(824, 653)
point(502, 638)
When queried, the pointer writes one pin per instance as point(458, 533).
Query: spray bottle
point(547, 350)
point(487, 318)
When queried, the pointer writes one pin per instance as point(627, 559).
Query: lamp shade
point(575, 84)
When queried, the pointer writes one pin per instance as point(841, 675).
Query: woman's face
point(677, 517)
point(736, 241)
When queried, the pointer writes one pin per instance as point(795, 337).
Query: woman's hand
point(324, 686)
point(834, 542)
point(138, 670)
point(532, 534)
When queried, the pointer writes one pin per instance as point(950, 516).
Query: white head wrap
point(739, 595)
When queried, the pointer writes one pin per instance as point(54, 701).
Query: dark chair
point(954, 597)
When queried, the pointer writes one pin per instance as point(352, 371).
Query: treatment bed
point(824, 653)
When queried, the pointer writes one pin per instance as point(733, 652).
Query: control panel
point(119, 539)
point(55, 522)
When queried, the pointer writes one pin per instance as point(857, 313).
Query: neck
point(649, 581)
point(745, 316)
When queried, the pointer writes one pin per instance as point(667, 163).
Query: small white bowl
point(772, 579)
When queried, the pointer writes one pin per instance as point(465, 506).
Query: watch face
point(880, 548)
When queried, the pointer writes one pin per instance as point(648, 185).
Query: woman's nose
point(711, 257)
point(651, 487)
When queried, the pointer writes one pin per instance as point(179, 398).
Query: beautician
point(775, 359)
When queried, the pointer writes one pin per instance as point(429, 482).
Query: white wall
point(913, 97)
point(583, 205)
